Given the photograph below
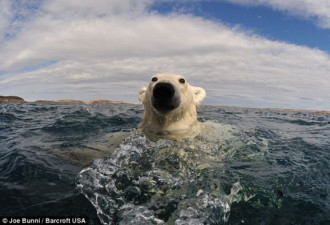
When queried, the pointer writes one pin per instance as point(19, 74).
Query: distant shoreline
point(19, 100)
point(16, 99)
point(91, 102)
point(268, 109)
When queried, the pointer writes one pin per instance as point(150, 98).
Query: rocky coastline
point(11, 99)
point(16, 99)
point(91, 102)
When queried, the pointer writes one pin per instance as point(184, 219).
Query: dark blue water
point(281, 161)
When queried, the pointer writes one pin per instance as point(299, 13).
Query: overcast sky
point(258, 53)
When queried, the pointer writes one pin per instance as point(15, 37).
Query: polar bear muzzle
point(164, 97)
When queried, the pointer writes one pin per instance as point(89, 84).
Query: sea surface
point(251, 167)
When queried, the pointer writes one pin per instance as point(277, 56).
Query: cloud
point(4, 17)
point(112, 50)
point(317, 10)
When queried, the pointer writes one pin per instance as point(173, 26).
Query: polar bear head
point(170, 105)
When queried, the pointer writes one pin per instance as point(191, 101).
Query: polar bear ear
point(199, 95)
point(142, 94)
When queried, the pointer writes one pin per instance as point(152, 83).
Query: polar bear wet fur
point(170, 104)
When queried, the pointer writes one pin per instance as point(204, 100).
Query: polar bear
point(170, 107)
point(170, 113)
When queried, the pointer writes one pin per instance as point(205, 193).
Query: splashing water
point(172, 182)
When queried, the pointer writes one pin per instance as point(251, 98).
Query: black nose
point(163, 91)
point(164, 98)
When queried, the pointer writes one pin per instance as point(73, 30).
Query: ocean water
point(251, 167)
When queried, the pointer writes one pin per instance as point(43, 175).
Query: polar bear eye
point(182, 81)
point(154, 79)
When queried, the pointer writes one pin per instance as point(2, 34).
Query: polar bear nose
point(164, 98)
point(163, 91)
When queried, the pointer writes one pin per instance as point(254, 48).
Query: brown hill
point(11, 99)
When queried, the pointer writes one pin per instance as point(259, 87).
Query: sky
point(254, 53)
